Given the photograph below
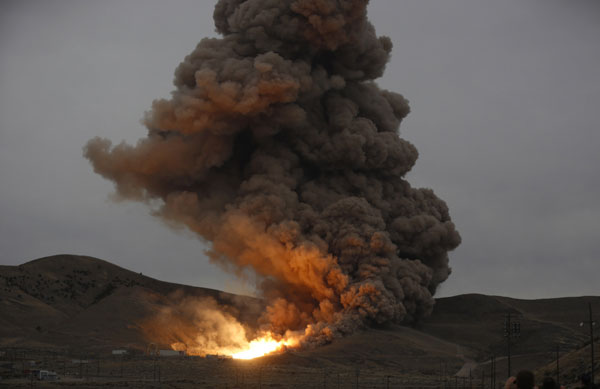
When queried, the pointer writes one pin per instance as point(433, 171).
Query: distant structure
point(152, 349)
point(171, 353)
point(119, 352)
point(219, 357)
point(45, 375)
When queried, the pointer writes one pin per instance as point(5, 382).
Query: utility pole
point(482, 379)
point(445, 375)
point(512, 329)
point(557, 366)
point(591, 323)
point(493, 372)
point(470, 380)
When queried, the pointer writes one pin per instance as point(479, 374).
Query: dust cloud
point(279, 149)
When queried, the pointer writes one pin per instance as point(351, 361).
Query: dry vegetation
point(193, 372)
point(64, 308)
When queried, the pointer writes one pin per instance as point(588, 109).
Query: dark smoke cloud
point(279, 149)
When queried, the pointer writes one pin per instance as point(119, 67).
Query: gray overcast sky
point(505, 97)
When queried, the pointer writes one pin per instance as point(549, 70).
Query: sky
point(504, 102)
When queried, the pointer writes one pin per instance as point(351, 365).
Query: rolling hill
point(74, 303)
point(78, 302)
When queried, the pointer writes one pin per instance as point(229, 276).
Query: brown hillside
point(85, 304)
point(477, 321)
point(79, 302)
point(571, 365)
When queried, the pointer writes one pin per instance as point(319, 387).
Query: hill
point(84, 304)
point(78, 302)
point(571, 365)
point(477, 321)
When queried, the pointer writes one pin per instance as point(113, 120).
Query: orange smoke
point(202, 326)
point(278, 149)
point(265, 345)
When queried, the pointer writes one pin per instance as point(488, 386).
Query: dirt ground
point(192, 372)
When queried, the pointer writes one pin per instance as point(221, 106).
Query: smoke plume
point(198, 325)
point(278, 148)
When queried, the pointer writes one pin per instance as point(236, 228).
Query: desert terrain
point(67, 313)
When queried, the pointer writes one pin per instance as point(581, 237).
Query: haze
point(503, 96)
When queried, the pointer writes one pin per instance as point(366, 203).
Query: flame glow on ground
point(263, 346)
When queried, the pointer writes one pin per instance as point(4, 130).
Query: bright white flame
point(263, 346)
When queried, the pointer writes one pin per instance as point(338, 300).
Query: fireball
point(263, 346)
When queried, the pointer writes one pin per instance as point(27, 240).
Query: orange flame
point(263, 346)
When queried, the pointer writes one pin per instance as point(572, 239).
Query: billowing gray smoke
point(278, 148)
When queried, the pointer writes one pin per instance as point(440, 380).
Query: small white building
point(45, 375)
point(171, 353)
point(119, 352)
